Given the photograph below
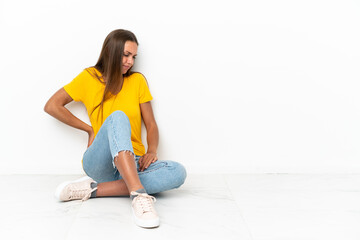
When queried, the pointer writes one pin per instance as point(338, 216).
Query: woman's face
point(130, 51)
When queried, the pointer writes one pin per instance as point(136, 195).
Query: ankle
point(93, 185)
point(141, 190)
point(135, 188)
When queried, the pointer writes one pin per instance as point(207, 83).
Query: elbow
point(48, 107)
point(57, 101)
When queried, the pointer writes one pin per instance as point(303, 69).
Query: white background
point(238, 86)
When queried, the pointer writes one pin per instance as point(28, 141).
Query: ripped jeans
point(113, 137)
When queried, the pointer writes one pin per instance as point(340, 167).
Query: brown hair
point(109, 64)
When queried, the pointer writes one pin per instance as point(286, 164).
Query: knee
point(170, 175)
point(178, 172)
point(88, 169)
point(120, 116)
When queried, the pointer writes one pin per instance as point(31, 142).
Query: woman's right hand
point(91, 137)
point(55, 106)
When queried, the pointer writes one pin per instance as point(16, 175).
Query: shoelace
point(145, 202)
point(78, 193)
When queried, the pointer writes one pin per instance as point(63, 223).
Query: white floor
point(263, 206)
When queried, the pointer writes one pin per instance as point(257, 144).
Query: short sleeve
point(144, 92)
point(76, 88)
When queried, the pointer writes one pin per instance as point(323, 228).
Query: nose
point(130, 60)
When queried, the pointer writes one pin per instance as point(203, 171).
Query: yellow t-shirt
point(89, 90)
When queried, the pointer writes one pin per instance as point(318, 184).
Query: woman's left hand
point(146, 160)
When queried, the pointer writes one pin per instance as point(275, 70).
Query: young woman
point(115, 161)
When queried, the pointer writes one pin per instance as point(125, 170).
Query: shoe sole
point(145, 223)
point(64, 184)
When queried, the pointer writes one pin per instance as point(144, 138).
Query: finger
point(141, 166)
point(141, 163)
point(150, 162)
point(154, 159)
point(147, 162)
point(145, 166)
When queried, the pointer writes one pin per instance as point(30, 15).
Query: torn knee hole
point(123, 153)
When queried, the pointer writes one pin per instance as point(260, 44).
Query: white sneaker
point(75, 190)
point(143, 210)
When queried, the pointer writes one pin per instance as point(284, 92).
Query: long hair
point(110, 63)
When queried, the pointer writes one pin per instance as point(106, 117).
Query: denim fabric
point(115, 136)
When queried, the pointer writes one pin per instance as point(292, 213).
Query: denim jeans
point(113, 137)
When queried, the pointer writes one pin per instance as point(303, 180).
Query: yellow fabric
point(89, 90)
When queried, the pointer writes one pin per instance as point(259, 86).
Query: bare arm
point(152, 136)
point(55, 106)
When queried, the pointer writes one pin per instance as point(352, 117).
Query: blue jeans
point(113, 137)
